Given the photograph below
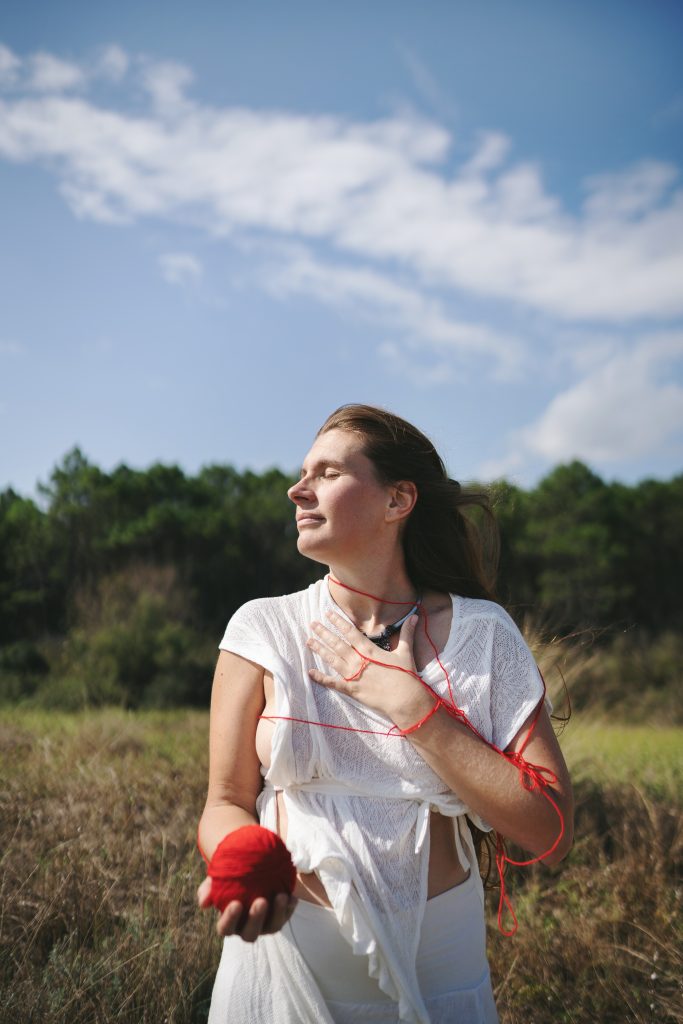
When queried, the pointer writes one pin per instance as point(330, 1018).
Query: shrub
point(132, 643)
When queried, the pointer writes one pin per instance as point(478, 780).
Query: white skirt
point(308, 974)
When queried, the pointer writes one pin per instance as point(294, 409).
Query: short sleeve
point(517, 686)
point(241, 628)
point(249, 635)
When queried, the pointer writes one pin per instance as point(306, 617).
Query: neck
point(374, 588)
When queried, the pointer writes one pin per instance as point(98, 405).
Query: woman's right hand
point(264, 917)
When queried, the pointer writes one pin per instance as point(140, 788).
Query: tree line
point(116, 587)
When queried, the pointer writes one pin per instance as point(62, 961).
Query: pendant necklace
point(383, 639)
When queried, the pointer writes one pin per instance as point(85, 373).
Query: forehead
point(337, 446)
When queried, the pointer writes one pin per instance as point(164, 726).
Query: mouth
point(309, 519)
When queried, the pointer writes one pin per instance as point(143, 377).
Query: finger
point(345, 627)
point(324, 680)
point(407, 632)
point(282, 908)
point(204, 893)
point(333, 660)
point(331, 639)
point(256, 919)
point(229, 921)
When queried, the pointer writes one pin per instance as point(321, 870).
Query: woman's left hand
point(393, 688)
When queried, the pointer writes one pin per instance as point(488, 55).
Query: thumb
point(204, 893)
point(407, 633)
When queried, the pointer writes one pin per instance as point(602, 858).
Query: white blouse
point(358, 802)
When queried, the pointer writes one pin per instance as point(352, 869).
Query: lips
point(309, 519)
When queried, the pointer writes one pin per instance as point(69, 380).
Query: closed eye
point(322, 470)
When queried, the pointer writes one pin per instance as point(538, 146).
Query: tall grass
point(97, 881)
point(98, 923)
point(600, 935)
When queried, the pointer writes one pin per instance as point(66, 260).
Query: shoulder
point(259, 629)
point(475, 609)
point(264, 610)
point(488, 624)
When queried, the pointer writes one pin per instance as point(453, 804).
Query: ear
point(402, 498)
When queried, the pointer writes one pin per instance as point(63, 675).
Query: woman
point(349, 740)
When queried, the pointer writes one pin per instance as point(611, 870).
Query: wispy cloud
point(416, 316)
point(490, 152)
point(412, 364)
point(624, 407)
point(615, 198)
point(425, 83)
point(112, 63)
point(180, 268)
point(166, 83)
point(371, 189)
point(9, 65)
point(376, 217)
point(48, 73)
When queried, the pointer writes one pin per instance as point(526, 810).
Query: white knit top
point(358, 803)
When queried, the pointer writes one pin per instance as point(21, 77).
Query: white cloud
point(180, 268)
point(374, 190)
point(113, 63)
point(51, 74)
point(91, 205)
point(615, 197)
point(491, 150)
point(425, 83)
point(9, 65)
point(626, 407)
point(381, 299)
point(166, 82)
point(507, 466)
point(424, 374)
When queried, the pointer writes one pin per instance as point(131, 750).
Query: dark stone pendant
point(382, 641)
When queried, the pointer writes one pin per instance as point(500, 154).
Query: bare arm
point(491, 786)
point(237, 700)
point(488, 783)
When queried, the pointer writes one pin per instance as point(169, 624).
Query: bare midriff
point(445, 870)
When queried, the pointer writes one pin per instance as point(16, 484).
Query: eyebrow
point(332, 463)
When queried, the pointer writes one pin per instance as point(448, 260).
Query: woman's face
point(341, 505)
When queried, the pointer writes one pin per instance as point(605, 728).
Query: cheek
point(357, 507)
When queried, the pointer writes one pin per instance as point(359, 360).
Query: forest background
point(116, 587)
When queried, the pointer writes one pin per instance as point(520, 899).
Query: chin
point(313, 551)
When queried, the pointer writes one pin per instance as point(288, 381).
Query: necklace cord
point(532, 777)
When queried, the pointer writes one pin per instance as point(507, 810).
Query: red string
point(532, 777)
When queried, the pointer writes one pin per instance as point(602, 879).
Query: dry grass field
point(98, 813)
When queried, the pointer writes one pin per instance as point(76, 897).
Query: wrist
point(412, 714)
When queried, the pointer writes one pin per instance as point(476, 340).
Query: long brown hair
point(445, 548)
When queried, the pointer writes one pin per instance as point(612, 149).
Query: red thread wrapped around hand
point(252, 861)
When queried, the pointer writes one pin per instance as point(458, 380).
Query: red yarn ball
point(250, 862)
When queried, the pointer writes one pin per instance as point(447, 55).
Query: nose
point(299, 492)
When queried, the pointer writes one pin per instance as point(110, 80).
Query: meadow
point(98, 922)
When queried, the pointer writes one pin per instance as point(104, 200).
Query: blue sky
point(219, 221)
